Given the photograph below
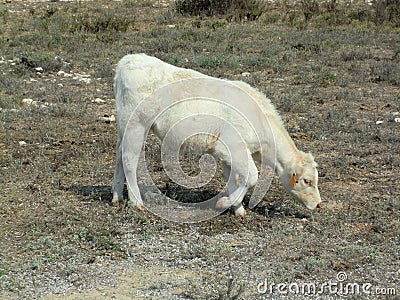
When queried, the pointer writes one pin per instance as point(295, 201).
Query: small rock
point(45, 105)
point(178, 291)
point(246, 74)
point(397, 120)
point(39, 69)
point(86, 80)
point(171, 26)
point(22, 143)
point(82, 78)
point(98, 100)
point(396, 113)
point(378, 122)
point(29, 101)
point(60, 73)
point(108, 119)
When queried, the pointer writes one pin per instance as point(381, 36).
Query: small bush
point(387, 11)
point(100, 24)
point(40, 59)
point(385, 71)
point(272, 18)
point(309, 8)
point(235, 9)
point(355, 54)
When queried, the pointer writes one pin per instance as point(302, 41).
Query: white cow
point(137, 79)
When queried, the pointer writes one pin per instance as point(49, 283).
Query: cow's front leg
point(238, 185)
point(236, 192)
point(234, 200)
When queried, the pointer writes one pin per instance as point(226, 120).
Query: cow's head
point(301, 180)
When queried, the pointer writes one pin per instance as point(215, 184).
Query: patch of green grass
point(313, 263)
point(325, 79)
point(98, 239)
point(258, 62)
point(210, 61)
point(272, 18)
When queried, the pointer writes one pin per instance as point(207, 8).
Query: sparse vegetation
point(332, 70)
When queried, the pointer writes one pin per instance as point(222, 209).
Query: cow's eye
point(308, 182)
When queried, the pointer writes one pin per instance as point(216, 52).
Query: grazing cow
point(137, 80)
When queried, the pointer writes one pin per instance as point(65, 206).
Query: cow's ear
point(293, 180)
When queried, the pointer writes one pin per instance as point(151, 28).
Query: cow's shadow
point(103, 195)
point(100, 193)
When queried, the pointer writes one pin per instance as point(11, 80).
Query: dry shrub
point(387, 11)
point(239, 9)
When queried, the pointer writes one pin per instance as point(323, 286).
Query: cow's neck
point(286, 150)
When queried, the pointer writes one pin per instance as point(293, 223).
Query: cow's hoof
point(115, 202)
point(140, 208)
point(137, 207)
point(240, 212)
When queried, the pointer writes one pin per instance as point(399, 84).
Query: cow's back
point(138, 76)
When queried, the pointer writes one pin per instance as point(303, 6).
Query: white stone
point(98, 100)
point(108, 119)
point(29, 101)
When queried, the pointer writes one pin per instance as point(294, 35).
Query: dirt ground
point(336, 85)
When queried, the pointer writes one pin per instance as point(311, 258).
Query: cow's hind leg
point(119, 177)
point(131, 149)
